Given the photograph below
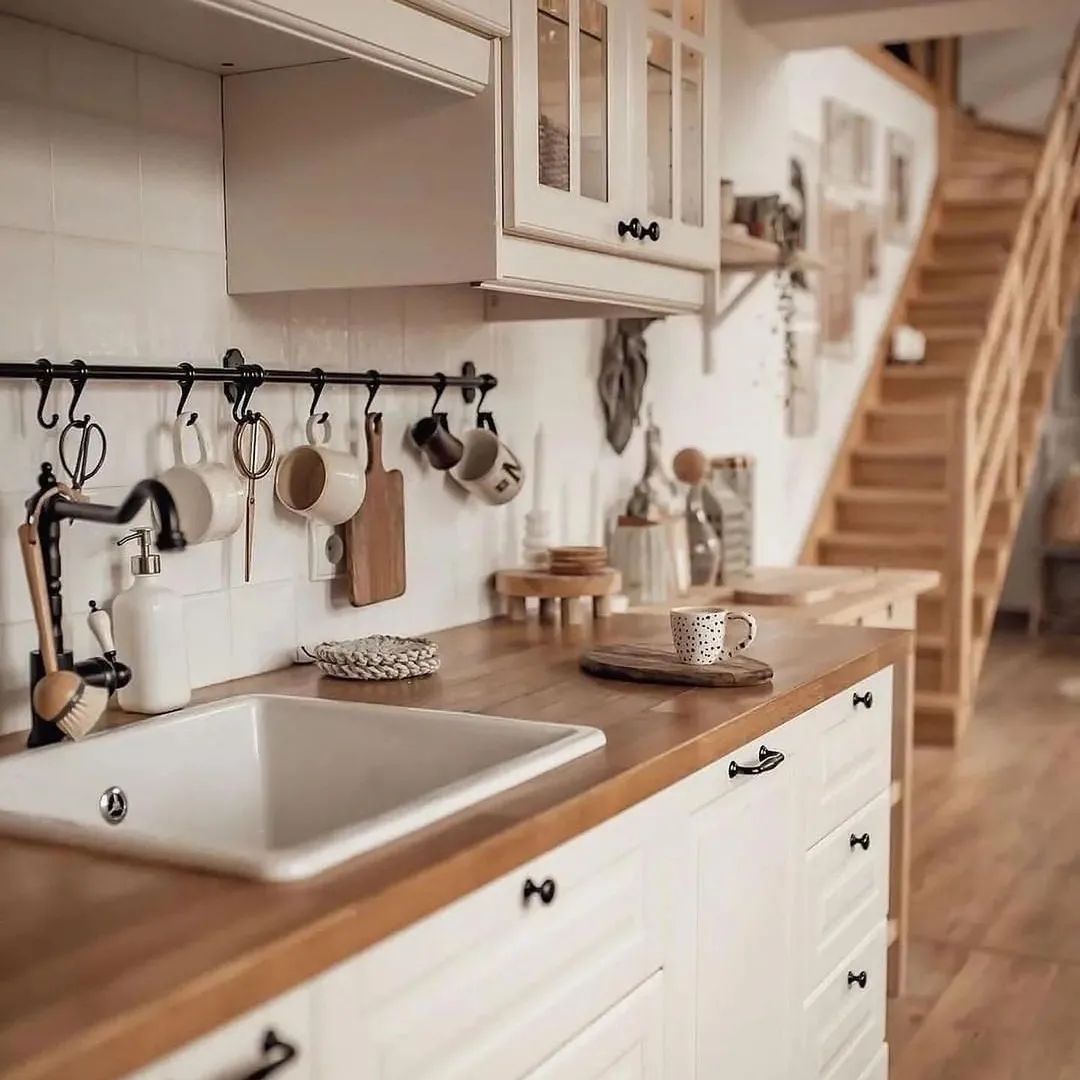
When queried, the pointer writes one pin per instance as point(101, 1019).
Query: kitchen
point(407, 249)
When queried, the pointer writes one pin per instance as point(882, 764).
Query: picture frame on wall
point(870, 233)
point(849, 145)
point(841, 251)
point(899, 156)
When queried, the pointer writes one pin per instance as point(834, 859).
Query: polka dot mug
point(700, 633)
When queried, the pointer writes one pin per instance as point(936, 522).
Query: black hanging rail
point(236, 374)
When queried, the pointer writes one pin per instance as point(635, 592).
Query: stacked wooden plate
point(578, 561)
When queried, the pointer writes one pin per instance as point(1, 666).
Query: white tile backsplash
point(25, 166)
point(91, 77)
point(95, 177)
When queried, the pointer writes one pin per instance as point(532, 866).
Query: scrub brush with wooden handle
point(61, 697)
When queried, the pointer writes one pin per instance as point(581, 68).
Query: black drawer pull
point(860, 841)
point(852, 978)
point(652, 232)
point(633, 227)
point(767, 761)
point(283, 1053)
point(545, 890)
point(866, 699)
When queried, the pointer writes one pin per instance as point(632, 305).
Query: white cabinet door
point(565, 116)
point(674, 91)
point(626, 1043)
point(491, 986)
point(748, 862)
point(277, 1031)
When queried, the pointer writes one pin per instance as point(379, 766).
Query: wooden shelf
point(740, 252)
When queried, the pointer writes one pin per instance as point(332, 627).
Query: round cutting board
point(659, 664)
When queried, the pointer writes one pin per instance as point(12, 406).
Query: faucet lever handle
point(101, 627)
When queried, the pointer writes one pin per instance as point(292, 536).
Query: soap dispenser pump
point(148, 621)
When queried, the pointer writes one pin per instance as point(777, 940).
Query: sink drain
point(113, 805)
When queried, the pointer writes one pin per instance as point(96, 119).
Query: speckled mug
point(700, 633)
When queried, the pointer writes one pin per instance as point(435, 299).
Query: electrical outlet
point(326, 552)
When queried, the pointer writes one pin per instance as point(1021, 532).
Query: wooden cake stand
point(569, 589)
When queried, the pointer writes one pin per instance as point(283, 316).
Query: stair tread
point(953, 333)
point(920, 449)
point(953, 296)
point(910, 408)
point(888, 541)
point(927, 370)
point(936, 700)
point(894, 495)
point(997, 201)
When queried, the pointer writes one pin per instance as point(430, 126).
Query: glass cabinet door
point(567, 169)
point(674, 44)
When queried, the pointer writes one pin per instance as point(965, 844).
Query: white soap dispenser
point(148, 621)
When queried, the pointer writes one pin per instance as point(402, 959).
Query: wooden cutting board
point(793, 585)
point(375, 536)
point(659, 664)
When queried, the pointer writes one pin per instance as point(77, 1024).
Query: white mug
point(700, 633)
point(488, 467)
point(317, 482)
point(209, 495)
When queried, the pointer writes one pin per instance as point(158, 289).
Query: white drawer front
point(848, 753)
point(236, 1049)
point(844, 1023)
point(878, 1069)
point(492, 985)
point(896, 615)
point(847, 888)
point(626, 1043)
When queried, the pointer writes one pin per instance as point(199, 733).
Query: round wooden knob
point(691, 465)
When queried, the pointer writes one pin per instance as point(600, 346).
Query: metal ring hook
point(186, 382)
point(440, 387)
point(44, 381)
point(318, 382)
point(78, 385)
point(373, 389)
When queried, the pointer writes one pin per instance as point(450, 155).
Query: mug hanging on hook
point(44, 381)
point(186, 382)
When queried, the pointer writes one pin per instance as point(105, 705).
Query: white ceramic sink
point(277, 788)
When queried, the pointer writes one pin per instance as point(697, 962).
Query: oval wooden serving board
point(659, 664)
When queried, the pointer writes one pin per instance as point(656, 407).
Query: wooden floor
point(994, 980)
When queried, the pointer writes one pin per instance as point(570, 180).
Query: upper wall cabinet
point(611, 126)
point(445, 42)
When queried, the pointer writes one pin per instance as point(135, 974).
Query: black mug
point(436, 442)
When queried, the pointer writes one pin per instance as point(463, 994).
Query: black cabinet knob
point(766, 762)
point(633, 227)
point(653, 231)
point(860, 841)
point(866, 699)
point(860, 978)
point(545, 890)
point(278, 1054)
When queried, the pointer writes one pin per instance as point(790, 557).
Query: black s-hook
point(186, 382)
point(78, 385)
point(318, 382)
point(373, 389)
point(44, 381)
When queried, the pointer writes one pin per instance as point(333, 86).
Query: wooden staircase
point(936, 463)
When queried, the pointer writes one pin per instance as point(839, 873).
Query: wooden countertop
point(106, 964)
point(883, 587)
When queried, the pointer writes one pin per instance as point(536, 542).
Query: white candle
point(539, 492)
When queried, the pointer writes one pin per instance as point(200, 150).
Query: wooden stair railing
point(988, 378)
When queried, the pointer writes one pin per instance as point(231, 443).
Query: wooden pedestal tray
point(568, 589)
point(659, 664)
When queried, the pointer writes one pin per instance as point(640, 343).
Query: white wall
point(112, 249)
